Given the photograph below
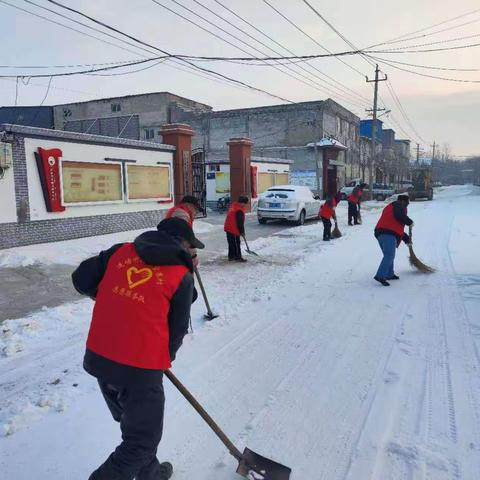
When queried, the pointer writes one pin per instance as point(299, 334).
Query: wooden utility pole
point(418, 154)
point(374, 126)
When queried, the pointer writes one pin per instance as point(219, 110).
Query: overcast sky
point(447, 112)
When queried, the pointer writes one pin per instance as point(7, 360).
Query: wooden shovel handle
point(203, 413)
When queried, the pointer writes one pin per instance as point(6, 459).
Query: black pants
point(140, 414)
point(234, 250)
point(327, 228)
point(352, 213)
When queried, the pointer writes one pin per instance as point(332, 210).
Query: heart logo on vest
point(138, 276)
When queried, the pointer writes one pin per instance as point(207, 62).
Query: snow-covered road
point(311, 363)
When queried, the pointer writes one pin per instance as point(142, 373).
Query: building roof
point(326, 142)
point(82, 137)
point(120, 97)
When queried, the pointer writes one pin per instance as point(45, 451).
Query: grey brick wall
point(43, 231)
point(27, 232)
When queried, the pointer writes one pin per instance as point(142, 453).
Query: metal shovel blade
point(255, 467)
point(251, 252)
point(210, 315)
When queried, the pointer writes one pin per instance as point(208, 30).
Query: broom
point(336, 233)
point(414, 260)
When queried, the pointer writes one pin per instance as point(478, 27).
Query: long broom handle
point(203, 413)
point(410, 232)
point(202, 288)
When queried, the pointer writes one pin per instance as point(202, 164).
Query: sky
point(433, 110)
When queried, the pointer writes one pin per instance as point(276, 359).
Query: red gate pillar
point(240, 151)
point(180, 136)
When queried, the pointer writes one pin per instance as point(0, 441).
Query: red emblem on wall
point(48, 163)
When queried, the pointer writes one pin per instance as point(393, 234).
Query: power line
point(315, 84)
point(367, 59)
point(187, 62)
point(345, 39)
point(433, 43)
point(428, 67)
point(426, 34)
point(236, 15)
point(177, 67)
point(445, 79)
point(471, 12)
point(309, 36)
point(459, 47)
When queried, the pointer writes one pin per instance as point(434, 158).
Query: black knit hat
point(192, 201)
point(242, 199)
point(403, 198)
point(180, 228)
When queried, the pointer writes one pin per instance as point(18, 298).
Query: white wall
point(93, 153)
point(212, 195)
point(8, 207)
point(262, 167)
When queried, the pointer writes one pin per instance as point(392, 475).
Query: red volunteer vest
point(389, 222)
point(180, 206)
point(231, 220)
point(326, 211)
point(130, 317)
point(353, 198)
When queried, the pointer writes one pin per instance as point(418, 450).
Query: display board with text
point(148, 182)
point(89, 182)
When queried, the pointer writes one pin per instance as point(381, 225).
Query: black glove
point(406, 239)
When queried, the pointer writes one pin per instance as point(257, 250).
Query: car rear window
point(278, 194)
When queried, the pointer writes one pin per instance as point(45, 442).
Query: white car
point(288, 202)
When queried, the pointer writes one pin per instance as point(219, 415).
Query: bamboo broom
point(414, 260)
point(336, 233)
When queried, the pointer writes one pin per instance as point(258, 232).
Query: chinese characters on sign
point(49, 172)
point(148, 182)
point(91, 182)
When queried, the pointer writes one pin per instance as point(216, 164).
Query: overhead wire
point(187, 62)
point(311, 83)
point(309, 36)
point(424, 35)
point(368, 60)
point(427, 67)
point(336, 84)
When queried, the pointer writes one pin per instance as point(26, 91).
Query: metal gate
point(199, 187)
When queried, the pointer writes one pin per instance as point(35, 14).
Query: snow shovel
point(248, 249)
point(414, 260)
point(251, 465)
point(209, 315)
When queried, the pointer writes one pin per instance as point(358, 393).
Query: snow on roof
point(328, 142)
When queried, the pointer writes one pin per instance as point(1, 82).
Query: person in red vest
point(187, 209)
point(143, 292)
point(354, 200)
point(389, 233)
point(327, 212)
point(235, 227)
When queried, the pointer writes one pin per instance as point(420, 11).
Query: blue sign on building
point(366, 129)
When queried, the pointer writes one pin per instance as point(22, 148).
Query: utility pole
point(315, 147)
point(418, 154)
point(433, 150)
point(374, 126)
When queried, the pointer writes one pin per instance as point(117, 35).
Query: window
point(149, 134)
point(214, 168)
point(116, 107)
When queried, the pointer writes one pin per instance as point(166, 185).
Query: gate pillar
point(240, 176)
point(180, 136)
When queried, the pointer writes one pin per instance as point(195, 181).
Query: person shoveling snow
point(143, 292)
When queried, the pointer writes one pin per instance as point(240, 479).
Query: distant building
point(31, 116)
point(137, 117)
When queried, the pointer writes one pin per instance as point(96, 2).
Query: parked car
point(288, 202)
point(348, 188)
point(380, 190)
